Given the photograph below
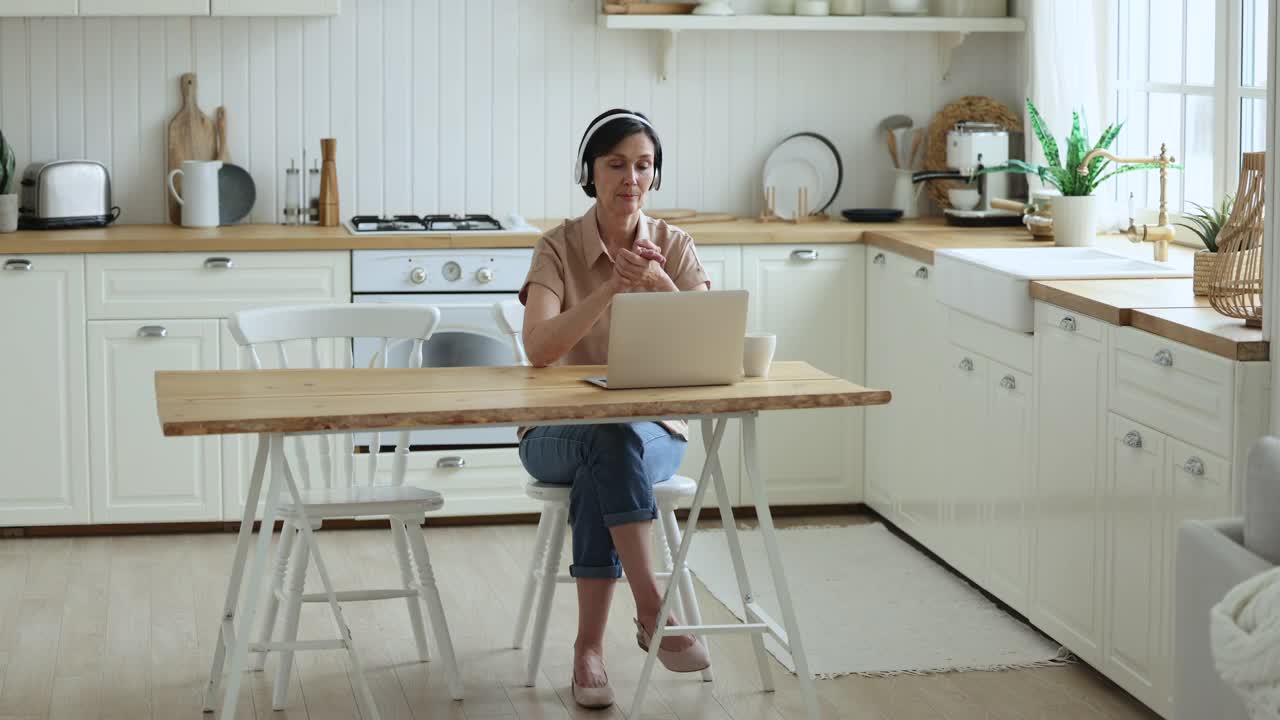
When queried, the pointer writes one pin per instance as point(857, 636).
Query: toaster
point(65, 194)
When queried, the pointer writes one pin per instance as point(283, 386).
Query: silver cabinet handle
point(966, 364)
point(805, 255)
point(1163, 358)
point(1193, 466)
point(922, 272)
point(18, 265)
point(1008, 382)
point(1133, 439)
point(453, 461)
point(1067, 323)
point(156, 331)
point(879, 259)
point(219, 263)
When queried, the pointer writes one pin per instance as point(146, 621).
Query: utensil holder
point(906, 194)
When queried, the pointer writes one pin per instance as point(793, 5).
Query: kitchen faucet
point(1162, 232)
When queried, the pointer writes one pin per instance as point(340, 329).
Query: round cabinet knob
point(1067, 323)
point(922, 273)
point(1193, 466)
point(484, 275)
point(1009, 382)
point(966, 364)
point(1133, 439)
point(418, 275)
point(878, 259)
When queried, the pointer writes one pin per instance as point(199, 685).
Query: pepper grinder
point(328, 183)
point(312, 211)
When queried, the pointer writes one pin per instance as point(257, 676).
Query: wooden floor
point(123, 627)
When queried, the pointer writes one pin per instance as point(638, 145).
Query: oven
point(464, 285)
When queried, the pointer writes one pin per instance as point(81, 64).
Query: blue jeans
point(612, 470)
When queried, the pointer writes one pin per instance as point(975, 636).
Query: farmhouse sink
point(991, 283)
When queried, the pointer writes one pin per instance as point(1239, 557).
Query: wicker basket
point(1235, 287)
point(1202, 271)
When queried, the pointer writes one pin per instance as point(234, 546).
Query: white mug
point(757, 354)
point(199, 199)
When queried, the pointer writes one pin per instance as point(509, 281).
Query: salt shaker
point(292, 191)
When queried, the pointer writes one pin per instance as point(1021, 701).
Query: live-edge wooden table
point(278, 403)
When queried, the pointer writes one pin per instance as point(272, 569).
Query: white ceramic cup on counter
point(199, 198)
point(757, 354)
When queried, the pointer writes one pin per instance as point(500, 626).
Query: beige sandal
point(592, 698)
point(692, 659)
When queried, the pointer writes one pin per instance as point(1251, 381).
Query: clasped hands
point(640, 269)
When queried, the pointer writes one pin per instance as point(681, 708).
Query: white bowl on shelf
point(714, 7)
point(813, 8)
point(963, 198)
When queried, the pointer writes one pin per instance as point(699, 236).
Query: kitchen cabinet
point(1009, 458)
point(43, 414)
point(1071, 383)
point(276, 7)
point(904, 341)
point(723, 265)
point(38, 8)
point(138, 474)
point(963, 443)
point(812, 298)
point(144, 7)
point(1134, 553)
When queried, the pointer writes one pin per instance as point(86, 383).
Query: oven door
point(467, 336)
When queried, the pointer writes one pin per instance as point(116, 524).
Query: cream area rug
point(870, 604)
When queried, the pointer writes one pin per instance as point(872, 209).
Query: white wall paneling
point(475, 106)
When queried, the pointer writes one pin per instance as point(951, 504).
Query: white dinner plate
point(803, 160)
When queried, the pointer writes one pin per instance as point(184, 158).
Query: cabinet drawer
point(1052, 316)
point(1184, 392)
point(486, 481)
point(211, 285)
point(1012, 348)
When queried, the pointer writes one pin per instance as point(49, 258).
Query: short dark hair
point(607, 138)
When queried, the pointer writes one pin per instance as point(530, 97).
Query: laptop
point(675, 339)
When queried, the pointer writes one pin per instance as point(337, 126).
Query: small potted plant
point(1206, 223)
point(8, 200)
point(1075, 213)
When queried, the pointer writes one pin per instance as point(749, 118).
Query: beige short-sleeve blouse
point(571, 261)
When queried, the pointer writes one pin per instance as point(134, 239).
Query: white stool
point(544, 567)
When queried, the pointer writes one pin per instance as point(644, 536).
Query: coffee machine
point(971, 147)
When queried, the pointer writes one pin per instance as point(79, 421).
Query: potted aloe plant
point(1075, 213)
point(8, 200)
point(1206, 223)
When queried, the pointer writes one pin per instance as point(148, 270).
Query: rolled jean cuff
point(605, 572)
point(623, 518)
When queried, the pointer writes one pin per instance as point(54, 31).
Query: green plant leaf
point(7, 166)
point(1047, 143)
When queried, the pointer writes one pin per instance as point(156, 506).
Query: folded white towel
point(1245, 630)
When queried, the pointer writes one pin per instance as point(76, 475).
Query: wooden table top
point(255, 401)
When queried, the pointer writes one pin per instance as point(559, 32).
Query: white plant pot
point(1075, 221)
point(8, 213)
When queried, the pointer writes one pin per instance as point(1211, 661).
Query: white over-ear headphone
point(580, 170)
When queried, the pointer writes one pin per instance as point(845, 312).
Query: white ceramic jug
point(199, 199)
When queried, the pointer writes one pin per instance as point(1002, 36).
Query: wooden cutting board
point(670, 213)
point(192, 136)
point(705, 218)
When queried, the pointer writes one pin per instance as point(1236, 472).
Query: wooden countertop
point(239, 401)
point(1204, 328)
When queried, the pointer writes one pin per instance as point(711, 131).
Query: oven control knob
point(452, 271)
point(484, 275)
point(418, 275)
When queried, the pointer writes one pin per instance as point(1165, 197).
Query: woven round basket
point(970, 108)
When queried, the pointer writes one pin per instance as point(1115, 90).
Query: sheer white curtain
point(1069, 67)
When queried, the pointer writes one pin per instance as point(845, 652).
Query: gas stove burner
point(461, 222)
point(372, 223)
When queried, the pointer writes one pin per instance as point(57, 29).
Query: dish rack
point(770, 214)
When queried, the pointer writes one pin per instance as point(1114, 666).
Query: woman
point(576, 271)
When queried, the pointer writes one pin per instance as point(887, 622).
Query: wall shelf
point(953, 30)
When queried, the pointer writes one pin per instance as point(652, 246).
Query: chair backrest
point(510, 318)
point(331, 331)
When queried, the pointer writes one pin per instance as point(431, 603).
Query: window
point(1191, 74)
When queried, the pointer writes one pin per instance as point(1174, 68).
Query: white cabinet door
point(1134, 544)
point(1006, 470)
point(43, 405)
point(306, 454)
point(1199, 488)
point(887, 342)
point(144, 7)
point(276, 7)
point(921, 320)
point(1070, 378)
point(963, 444)
point(37, 8)
point(723, 264)
point(138, 474)
point(812, 298)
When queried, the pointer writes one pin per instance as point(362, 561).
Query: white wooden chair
point(338, 494)
point(544, 567)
